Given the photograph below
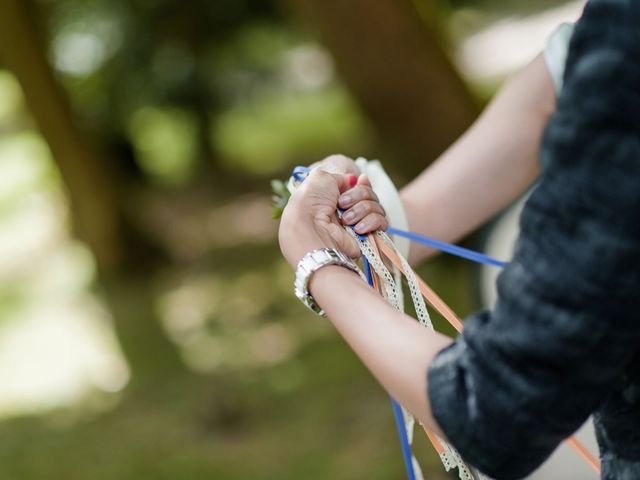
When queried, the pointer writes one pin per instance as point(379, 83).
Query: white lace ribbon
point(392, 290)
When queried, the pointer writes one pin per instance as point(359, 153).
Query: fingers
point(367, 216)
point(359, 203)
point(362, 208)
point(371, 223)
point(361, 192)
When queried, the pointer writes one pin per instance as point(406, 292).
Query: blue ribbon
point(407, 454)
point(448, 248)
point(299, 174)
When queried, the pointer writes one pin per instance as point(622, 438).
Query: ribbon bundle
point(376, 248)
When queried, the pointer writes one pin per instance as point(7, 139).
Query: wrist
point(325, 276)
point(311, 265)
point(297, 238)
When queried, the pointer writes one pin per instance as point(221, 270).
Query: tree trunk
point(123, 271)
point(91, 195)
point(394, 65)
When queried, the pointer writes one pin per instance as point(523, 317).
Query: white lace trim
point(392, 293)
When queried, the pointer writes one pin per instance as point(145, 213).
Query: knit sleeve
point(524, 376)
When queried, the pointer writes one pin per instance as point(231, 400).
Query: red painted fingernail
point(353, 180)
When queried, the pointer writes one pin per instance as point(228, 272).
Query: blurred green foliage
point(196, 104)
point(200, 86)
point(187, 95)
point(268, 135)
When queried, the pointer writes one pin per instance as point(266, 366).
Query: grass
point(336, 425)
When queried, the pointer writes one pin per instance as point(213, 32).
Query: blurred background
point(148, 328)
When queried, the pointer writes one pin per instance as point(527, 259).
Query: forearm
point(393, 346)
point(493, 163)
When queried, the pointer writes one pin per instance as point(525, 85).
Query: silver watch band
point(311, 263)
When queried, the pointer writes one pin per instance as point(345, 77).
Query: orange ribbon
point(439, 305)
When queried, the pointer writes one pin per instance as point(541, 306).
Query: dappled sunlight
point(278, 128)
point(246, 219)
point(55, 355)
point(185, 308)
point(272, 344)
point(77, 53)
point(225, 324)
point(56, 342)
point(31, 232)
point(85, 39)
point(510, 43)
point(307, 67)
point(12, 101)
point(26, 162)
point(165, 141)
point(197, 228)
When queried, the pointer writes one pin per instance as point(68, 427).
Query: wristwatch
point(310, 264)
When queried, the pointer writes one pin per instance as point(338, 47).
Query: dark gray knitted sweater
point(563, 341)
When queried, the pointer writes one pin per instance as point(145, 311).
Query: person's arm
point(472, 165)
point(526, 375)
point(493, 163)
point(393, 346)
point(565, 330)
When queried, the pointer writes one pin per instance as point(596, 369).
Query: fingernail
point(362, 226)
point(353, 180)
point(348, 217)
point(345, 199)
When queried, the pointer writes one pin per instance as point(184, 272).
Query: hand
point(310, 219)
point(362, 208)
